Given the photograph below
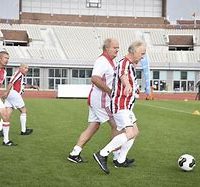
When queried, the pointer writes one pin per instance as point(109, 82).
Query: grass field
point(167, 130)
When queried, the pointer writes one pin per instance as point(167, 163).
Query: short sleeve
point(99, 67)
point(123, 68)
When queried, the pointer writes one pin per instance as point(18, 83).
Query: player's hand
point(128, 90)
point(36, 87)
point(3, 97)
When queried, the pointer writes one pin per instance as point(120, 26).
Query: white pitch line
point(170, 109)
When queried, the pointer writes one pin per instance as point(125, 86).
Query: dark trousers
point(197, 96)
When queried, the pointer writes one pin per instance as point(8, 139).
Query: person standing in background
point(198, 91)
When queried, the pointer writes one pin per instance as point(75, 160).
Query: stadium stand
point(71, 42)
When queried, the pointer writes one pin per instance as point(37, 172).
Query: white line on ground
point(165, 108)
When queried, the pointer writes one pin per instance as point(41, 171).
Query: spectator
point(198, 91)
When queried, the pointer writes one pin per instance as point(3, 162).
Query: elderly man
point(123, 97)
point(99, 97)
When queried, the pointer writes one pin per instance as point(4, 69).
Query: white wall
point(9, 9)
point(140, 8)
point(73, 91)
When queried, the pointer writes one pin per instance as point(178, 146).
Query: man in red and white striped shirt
point(5, 125)
point(13, 96)
point(123, 96)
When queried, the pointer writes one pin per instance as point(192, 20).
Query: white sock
point(124, 150)
point(1, 125)
point(76, 150)
point(116, 154)
point(23, 122)
point(6, 127)
point(116, 142)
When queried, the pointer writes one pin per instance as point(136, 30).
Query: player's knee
point(5, 116)
point(132, 132)
point(136, 132)
point(23, 110)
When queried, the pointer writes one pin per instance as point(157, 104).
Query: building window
point(33, 76)
point(183, 85)
point(75, 73)
point(190, 85)
point(8, 76)
point(93, 3)
point(51, 72)
point(81, 76)
point(184, 81)
point(163, 86)
point(159, 80)
point(176, 86)
point(139, 74)
point(184, 75)
point(139, 78)
point(155, 82)
point(57, 76)
point(156, 75)
point(9, 71)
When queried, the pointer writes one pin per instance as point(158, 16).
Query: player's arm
point(125, 82)
point(32, 86)
point(6, 93)
point(97, 81)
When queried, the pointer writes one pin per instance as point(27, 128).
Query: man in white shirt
point(5, 125)
point(99, 97)
point(13, 96)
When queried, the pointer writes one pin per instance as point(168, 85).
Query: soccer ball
point(186, 162)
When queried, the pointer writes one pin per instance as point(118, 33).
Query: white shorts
point(100, 115)
point(14, 100)
point(124, 118)
point(2, 105)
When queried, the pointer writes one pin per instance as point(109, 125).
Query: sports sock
point(116, 154)
point(116, 142)
point(124, 150)
point(23, 122)
point(6, 127)
point(76, 150)
point(1, 125)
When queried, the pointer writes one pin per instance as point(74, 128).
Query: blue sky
point(182, 9)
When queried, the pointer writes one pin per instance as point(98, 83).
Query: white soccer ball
point(186, 162)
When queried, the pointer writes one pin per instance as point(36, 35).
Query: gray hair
point(133, 47)
point(4, 53)
point(107, 43)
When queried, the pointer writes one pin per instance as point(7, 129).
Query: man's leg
point(127, 145)
point(23, 117)
point(113, 127)
point(101, 156)
point(85, 136)
point(116, 142)
point(116, 153)
point(1, 128)
point(114, 132)
point(6, 113)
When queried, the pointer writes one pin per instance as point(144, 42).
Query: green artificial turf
point(167, 130)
